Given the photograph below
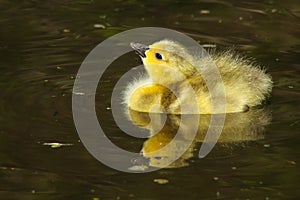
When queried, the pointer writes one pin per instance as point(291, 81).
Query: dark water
point(42, 45)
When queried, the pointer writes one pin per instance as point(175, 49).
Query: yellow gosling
point(246, 84)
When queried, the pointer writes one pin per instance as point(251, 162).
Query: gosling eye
point(158, 56)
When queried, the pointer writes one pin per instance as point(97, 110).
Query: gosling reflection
point(238, 127)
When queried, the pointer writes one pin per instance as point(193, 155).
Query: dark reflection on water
point(41, 48)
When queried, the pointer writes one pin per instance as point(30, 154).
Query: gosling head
point(166, 62)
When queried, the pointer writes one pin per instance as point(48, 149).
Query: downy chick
point(170, 67)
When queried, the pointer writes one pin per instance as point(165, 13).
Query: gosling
point(170, 67)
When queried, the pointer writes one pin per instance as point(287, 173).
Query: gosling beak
point(139, 48)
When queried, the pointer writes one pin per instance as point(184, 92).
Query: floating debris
point(267, 145)
point(204, 12)
point(161, 181)
point(58, 68)
point(233, 168)
point(99, 26)
point(290, 86)
point(55, 145)
point(216, 178)
point(108, 108)
point(46, 81)
point(291, 162)
point(66, 30)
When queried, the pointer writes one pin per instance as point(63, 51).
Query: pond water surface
point(42, 45)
